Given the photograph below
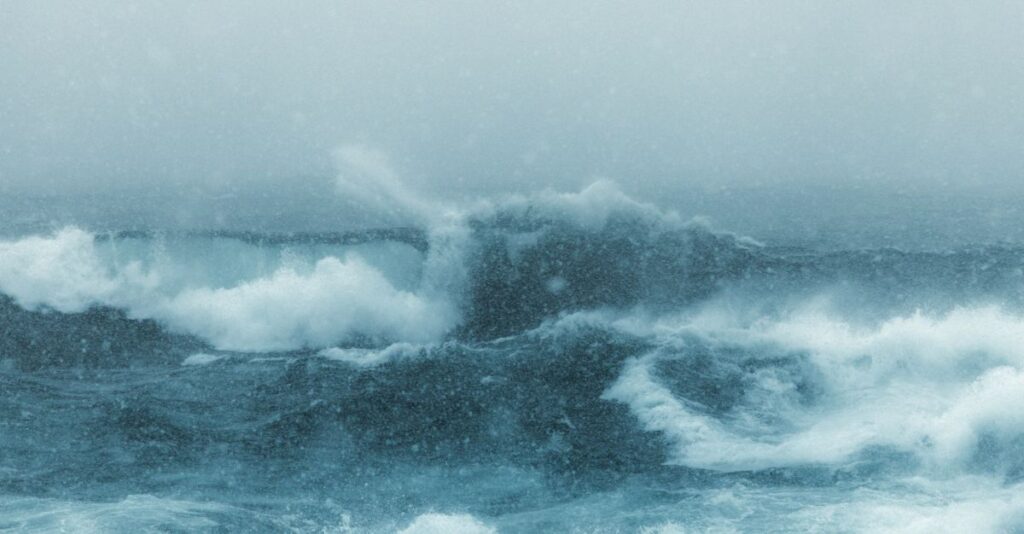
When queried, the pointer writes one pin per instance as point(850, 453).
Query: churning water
point(552, 362)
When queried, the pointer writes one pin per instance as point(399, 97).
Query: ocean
point(549, 362)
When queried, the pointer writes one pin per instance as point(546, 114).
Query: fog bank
point(672, 100)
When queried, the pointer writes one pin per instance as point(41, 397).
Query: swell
point(586, 401)
point(502, 277)
point(528, 272)
point(532, 402)
point(97, 337)
point(532, 352)
point(580, 333)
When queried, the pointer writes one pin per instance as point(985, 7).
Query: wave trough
point(546, 362)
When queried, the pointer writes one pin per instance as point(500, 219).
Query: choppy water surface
point(561, 363)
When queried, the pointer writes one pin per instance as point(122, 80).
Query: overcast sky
point(476, 97)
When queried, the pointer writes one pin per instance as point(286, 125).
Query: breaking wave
point(548, 353)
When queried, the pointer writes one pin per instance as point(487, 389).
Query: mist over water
point(845, 105)
point(532, 267)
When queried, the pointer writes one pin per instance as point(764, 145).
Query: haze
point(672, 100)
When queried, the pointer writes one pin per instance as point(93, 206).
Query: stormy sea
point(544, 362)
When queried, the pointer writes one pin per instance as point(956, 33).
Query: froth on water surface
point(554, 362)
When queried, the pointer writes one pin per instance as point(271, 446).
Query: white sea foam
point(958, 505)
point(291, 309)
point(667, 527)
point(276, 301)
point(135, 513)
point(591, 208)
point(283, 299)
point(297, 305)
point(64, 272)
point(202, 358)
point(435, 523)
point(933, 386)
point(368, 357)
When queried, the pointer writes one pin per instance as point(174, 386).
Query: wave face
point(547, 363)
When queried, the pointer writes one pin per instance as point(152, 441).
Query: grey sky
point(475, 97)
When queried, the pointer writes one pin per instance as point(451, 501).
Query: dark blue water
point(572, 363)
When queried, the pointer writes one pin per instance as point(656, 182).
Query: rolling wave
point(547, 353)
